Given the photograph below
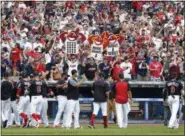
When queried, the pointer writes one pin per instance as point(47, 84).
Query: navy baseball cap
point(121, 75)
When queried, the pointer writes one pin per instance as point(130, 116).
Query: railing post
point(146, 110)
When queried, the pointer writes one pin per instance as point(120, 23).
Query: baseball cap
point(121, 75)
point(73, 72)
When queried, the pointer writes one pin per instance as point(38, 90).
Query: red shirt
point(133, 62)
point(40, 67)
point(116, 71)
point(155, 65)
point(16, 54)
point(122, 88)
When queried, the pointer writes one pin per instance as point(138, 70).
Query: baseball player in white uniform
point(37, 87)
point(62, 100)
point(100, 90)
point(14, 106)
point(73, 105)
point(173, 90)
point(23, 99)
point(6, 89)
point(123, 94)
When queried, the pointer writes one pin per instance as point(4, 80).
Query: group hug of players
point(28, 100)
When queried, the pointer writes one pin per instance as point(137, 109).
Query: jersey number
point(38, 89)
point(172, 89)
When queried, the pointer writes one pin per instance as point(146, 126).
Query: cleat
point(91, 126)
point(38, 125)
point(56, 126)
point(114, 120)
point(105, 127)
point(5, 123)
point(80, 127)
point(25, 125)
point(47, 126)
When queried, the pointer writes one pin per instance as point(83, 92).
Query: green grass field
point(133, 129)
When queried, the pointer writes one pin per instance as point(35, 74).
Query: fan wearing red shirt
point(123, 94)
point(156, 69)
point(116, 70)
point(16, 58)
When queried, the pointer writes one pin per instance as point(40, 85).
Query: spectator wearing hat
point(105, 68)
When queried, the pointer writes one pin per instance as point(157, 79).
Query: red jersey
point(16, 54)
point(155, 65)
point(122, 88)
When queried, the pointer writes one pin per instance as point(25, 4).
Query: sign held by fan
point(71, 47)
point(113, 50)
point(96, 51)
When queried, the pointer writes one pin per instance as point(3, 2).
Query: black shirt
point(6, 89)
point(14, 90)
point(100, 87)
point(172, 88)
point(72, 91)
point(38, 88)
point(23, 86)
point(90, 71)
point(61, 91)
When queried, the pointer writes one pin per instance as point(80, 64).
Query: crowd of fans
point(153, 44)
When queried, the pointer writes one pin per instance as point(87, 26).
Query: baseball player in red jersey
point(100, 90)
point(37, 87)
point(23, 99)
point(123, 94)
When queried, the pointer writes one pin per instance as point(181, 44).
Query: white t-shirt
point(127, 71)
point(158, 42)
point(28, 45)
point(72, 66)
point(47, 58)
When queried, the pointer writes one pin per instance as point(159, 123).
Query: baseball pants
point(5, 109)
point(36, 107)
point(173, 103)
point(15, 115)
point(97, 106)
point(73, 106)
point(62, 101)
point(111, 107)
point(122, 111)
point(44, 115)
point(24, 105)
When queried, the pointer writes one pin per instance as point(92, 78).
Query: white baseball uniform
point(15, 115)
point(173, 89)
point(62, 101)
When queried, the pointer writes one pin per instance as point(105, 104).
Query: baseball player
point(62, 100)
point(6, 89)
point(14, 106)
point(45, 93)
point(100, 90)
point(166, 109)
point(173, 92)
point(37, 87)
point(123, 94)
point(73, 105)
point(23, 99)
